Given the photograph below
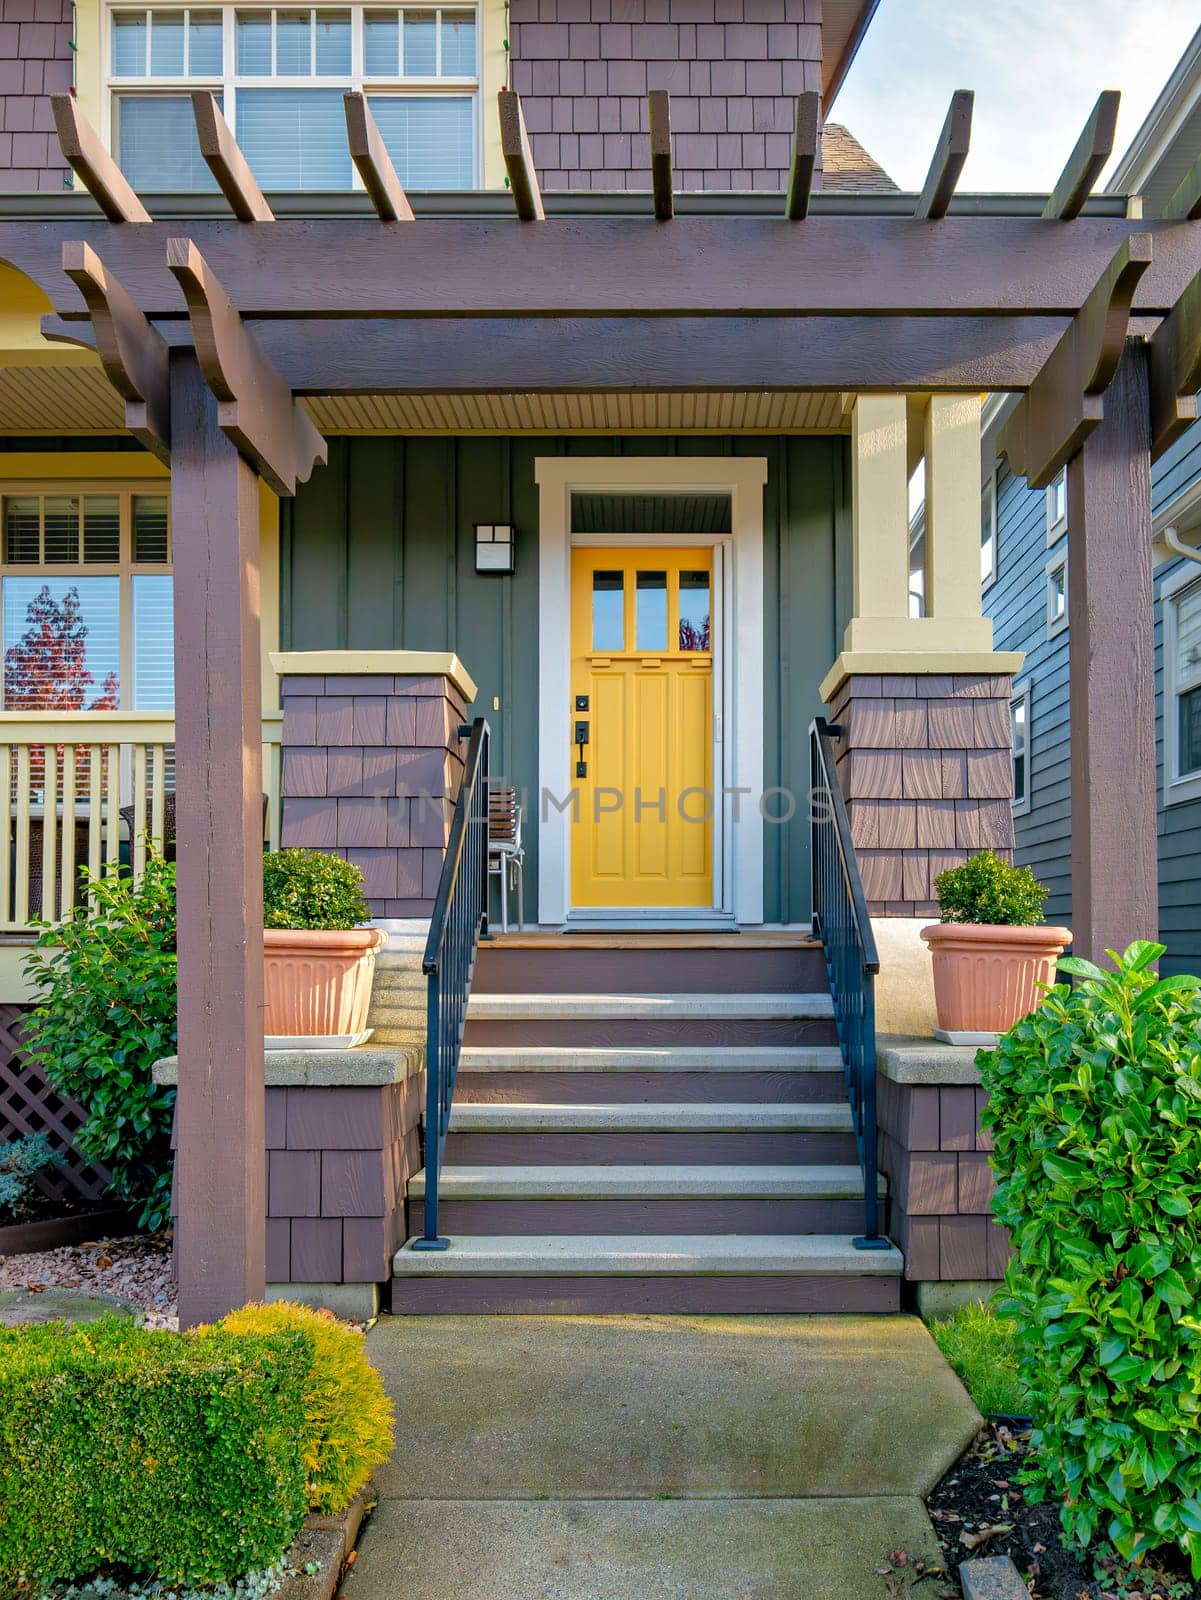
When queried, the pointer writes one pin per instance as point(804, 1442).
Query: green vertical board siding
point(378, 553)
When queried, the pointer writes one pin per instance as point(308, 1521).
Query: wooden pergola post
point(221, 1165)
point(1115, 870)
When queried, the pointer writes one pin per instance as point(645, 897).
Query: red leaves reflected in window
point(47, 670)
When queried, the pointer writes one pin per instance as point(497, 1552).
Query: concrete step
point(594, 1007)
point(647, 1272)
point(696, 1198)
point(613, 1133)
point(670, 1073)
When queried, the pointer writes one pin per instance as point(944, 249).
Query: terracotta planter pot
point(986, 975)
point(318, 983)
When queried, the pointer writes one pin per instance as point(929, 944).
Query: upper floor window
point(1057, 596)
point(988, 530)
point(1019, 726)
point(1057, 506)
point(1182, 689)
point(86, 602)
point(280, 74)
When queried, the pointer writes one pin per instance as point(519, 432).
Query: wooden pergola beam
point(1185, 202)
point(370, 155)
point(134, 356)
point(519, 159)
point(658, 107)
point(1093, 149)
point(255, 407)
point(1066, 400)
point(84, 152)
point(1174, 370)
point(949, 156)
point(226, 162)
point(806, 149)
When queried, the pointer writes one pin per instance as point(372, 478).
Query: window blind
point(429, 137)
point(295, 138)
point(157, 145)
point(153, 642)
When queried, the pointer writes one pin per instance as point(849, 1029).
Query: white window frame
point(988, 507)
point(125, 569)
point(1022, 695)
point(1057, 522)
point(226, 87)
point(1177, 787)
point(1056, 624)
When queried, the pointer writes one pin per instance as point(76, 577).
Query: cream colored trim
point(741, 756)
point(493, 74)
point(89, 69)
point(880, 507)
point(359, 663)
point(952, 437)
point(852, 663)
point(917, 634)
point(15, 987)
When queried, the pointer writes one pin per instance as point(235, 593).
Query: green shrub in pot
point(310, 889)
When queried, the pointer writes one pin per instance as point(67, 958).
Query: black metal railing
point(841, 921)
point(460, 918)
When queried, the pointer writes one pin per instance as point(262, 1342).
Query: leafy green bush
point(309, 889)
point(20, 1159)
point(347, 1415)
point(161, 1452)
point(981, 1348)
point(104, 1013)
point(987, 889)
point(1095, 1111)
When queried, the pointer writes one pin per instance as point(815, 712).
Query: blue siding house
point(1025, 574)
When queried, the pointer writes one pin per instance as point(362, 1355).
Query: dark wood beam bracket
point(949, 156)
point(1185, 203)
point(134, 355)
point(255, 407)
point(519, 159)
point(1066, 400)
point(84, 152)
point(226, 161)
point(658, 105)
point(1093, 149)
point(370, 155)
point(806, 147)
point(1174, 370)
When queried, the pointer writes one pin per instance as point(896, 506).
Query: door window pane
point(129, 44)
point(608, 611)
point(381, 44)
point(153, 642)
point(254, 44)
point(431, 141)
point(157, 144)
point(420, 44)
point(22, 529)
point(205, 50)
point(650, 629)
point(102, 529)
point(150, 527)
point(694, 611)
point(62, 649)
point(166, 44)
point(333, 44)
point(295, 138)
point(458, 44)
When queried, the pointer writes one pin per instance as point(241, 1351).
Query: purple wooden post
point(1115, 868)
point(218, 768)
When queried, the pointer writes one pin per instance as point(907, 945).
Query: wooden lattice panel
point(29, 1105)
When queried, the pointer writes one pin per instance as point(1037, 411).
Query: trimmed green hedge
point(181, 1457)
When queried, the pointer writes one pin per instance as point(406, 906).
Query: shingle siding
point(35, 62)
point(1017, 604)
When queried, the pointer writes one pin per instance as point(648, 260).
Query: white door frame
point(738, 819)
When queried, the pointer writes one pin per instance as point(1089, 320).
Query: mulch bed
point(979, 1509)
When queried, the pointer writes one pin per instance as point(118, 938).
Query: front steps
point(649, 1124)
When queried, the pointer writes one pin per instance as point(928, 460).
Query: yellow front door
point(642, 683)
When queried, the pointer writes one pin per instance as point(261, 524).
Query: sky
point(1037, 67)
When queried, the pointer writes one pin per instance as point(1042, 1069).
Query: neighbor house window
point(280, 74)
point(988, 530)
point(1057, 506)
point(1182, 690)
point(86, 607)
point(1019, 723)
point(1057, 596)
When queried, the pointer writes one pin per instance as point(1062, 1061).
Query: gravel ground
point(136, 1269)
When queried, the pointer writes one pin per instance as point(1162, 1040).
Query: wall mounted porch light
point(494, 547)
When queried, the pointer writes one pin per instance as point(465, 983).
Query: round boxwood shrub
point(986, 889)
point(1095, 1112)
point(347, 1415)
point(309, 889)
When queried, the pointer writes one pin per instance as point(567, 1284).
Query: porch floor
point(689, 1458)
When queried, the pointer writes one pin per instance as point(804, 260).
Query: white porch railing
point(86, 789)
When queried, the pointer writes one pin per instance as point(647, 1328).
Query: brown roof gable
point(847, 167)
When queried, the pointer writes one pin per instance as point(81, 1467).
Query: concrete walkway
point(656, 1458)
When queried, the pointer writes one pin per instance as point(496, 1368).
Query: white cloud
point(1036, 66)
